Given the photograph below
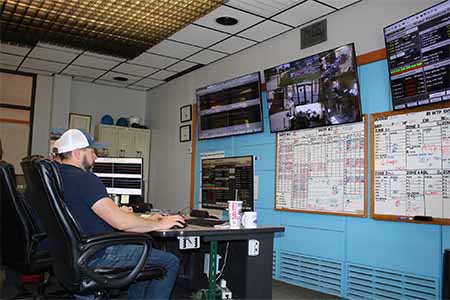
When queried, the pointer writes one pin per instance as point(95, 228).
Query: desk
point(248, 277)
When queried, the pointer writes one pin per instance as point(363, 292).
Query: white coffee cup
point(234, 211)
point(250, 219)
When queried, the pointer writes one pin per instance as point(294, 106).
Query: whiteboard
point(411, 164)
point(322, 170)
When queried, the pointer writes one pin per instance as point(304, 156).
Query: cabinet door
point(125, 143)
point(142, 143)
point(108, 135)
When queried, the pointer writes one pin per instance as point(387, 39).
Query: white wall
point(98, 100)
point(57, 96)
point(361, 23)
point(42, 115)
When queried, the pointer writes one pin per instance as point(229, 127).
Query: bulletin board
point(322, 170)
point(410, 175)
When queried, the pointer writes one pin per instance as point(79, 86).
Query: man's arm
point(106, 209)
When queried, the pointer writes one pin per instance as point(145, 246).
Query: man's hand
point(168, 222)
point(155, 217)
point(127, 208)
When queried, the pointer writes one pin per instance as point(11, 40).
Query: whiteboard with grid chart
point(322, 170)
point(411, 165)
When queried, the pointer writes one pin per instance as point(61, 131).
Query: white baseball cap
point(75, 139)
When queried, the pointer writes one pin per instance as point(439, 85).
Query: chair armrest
point(38, 237)
point(93, 244)
point(87, 241)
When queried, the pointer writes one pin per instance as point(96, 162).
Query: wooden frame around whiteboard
point(408, 219)
point(364, 214)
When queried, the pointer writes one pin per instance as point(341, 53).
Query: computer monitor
point(318, 90)
point(221, 177)
point(120, 175)
point(419, 58)
point(231, 107)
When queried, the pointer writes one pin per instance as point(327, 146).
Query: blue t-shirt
point(81, 190)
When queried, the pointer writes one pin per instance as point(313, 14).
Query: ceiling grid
point(148, 42)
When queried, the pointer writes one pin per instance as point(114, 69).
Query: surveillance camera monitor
point(419, 57)
point(319, 90)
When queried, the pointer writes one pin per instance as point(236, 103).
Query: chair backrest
point(17, 228)
point(64, 236)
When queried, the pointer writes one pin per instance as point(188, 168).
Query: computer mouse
point(179, 226)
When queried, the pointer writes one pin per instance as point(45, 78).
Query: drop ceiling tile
point(148, 82)
point(181, 66)
point(206, 56)
point(12, 60)
point(163, 74)
point(266, 8)
point(107, 57)
point(339, 3)
point(244, 19)
point(8, 67)
point(110, 77)
point(51, 54)
point(199, 36)
point(264, 31)
point(134, 69)
point(233, 44)
point(83, 71)
point(111, 83)
point(81, 78)
point(153, 60)
point(11, 49)
point(139, 88)
point(43, 65)
point(54, 47)
point(95, 62)
point(303, 13)
point(174, 49)
point(35, 71)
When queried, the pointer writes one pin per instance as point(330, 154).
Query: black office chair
point(20, 235)
point(71, 251)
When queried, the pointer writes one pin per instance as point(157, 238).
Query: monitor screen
point(120, 175)
point(419, 57)
point(319, 90)
point(221, 177)
point(230, 108)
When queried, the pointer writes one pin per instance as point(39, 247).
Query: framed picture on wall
point(79, 121)
point(186, 113)
point(185, 133)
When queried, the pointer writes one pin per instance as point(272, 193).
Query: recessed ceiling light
point(227, 21)
point(120, 78)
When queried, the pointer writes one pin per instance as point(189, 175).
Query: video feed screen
point(319, 90)
point(229, 108)
point(419, 57)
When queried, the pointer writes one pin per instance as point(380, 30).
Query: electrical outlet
point(253, 247)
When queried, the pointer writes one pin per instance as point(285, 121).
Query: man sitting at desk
point(88, 201)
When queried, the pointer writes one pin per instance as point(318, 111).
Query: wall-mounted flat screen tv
point(418, 50)
point(319, 90)
point(229, 108)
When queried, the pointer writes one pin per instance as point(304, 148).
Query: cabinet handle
point(139, 153)
point(122, 153)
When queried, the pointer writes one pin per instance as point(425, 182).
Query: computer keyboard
point(204, 222)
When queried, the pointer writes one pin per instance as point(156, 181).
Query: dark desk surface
point(193, 230)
